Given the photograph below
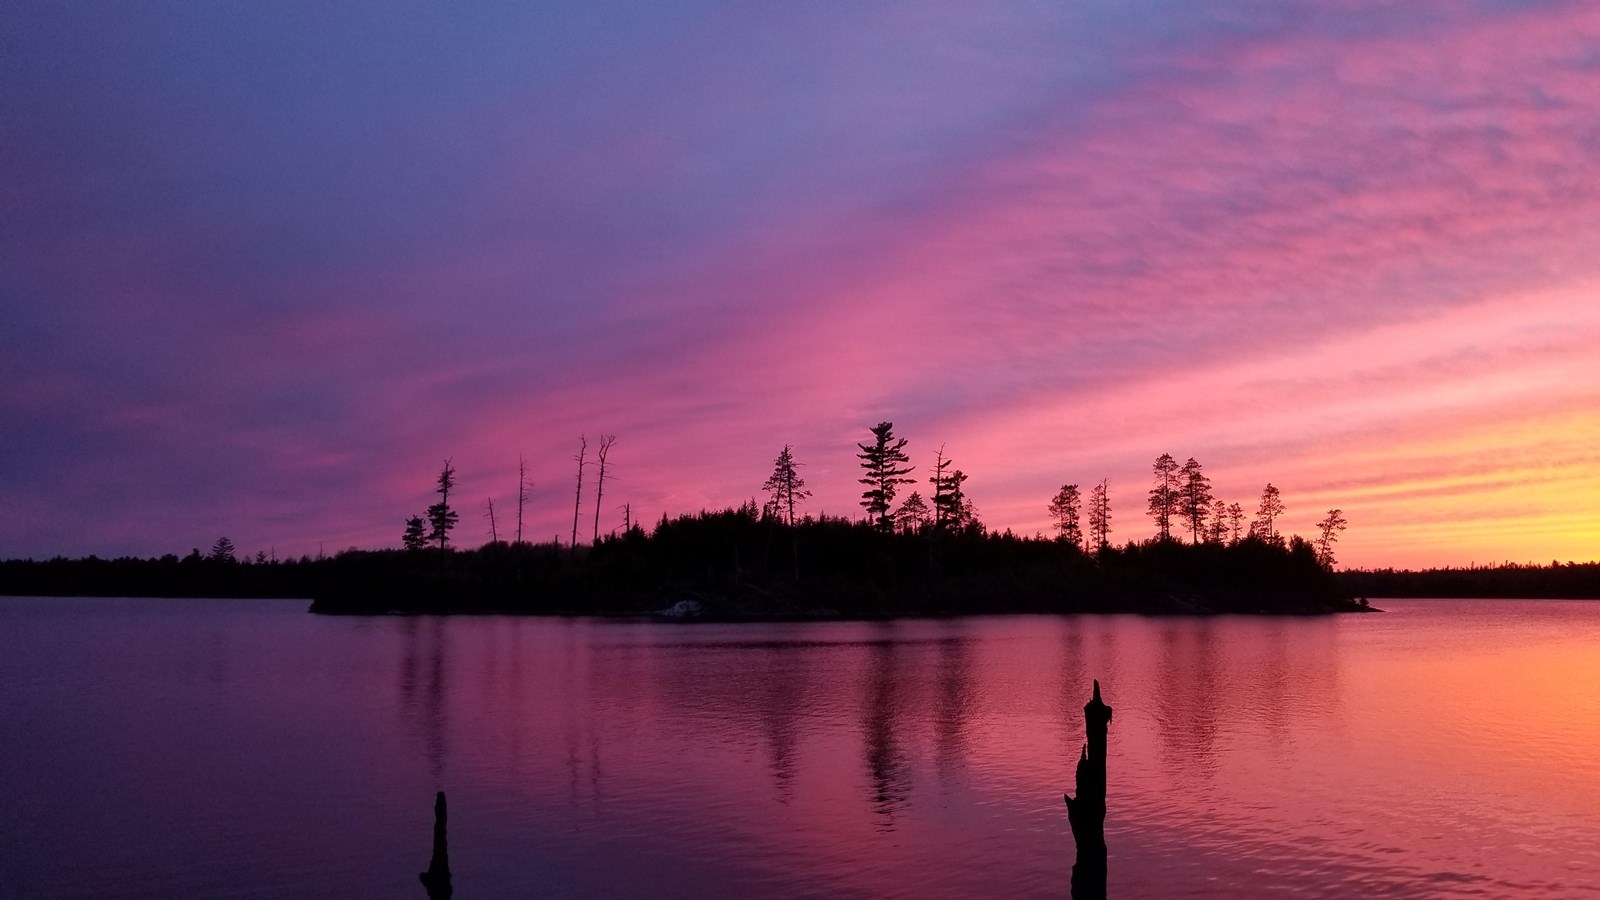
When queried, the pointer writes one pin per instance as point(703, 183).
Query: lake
point(237, 748)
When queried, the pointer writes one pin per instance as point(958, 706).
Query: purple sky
point(264, 266)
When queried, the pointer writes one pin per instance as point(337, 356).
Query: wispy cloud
point(266, 268)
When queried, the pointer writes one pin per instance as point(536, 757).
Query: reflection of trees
point(423, 692)
point(956, 705)
point(1263, 673)
point(611, 673)
point(1069, 700)
point(1088, 653)
point(1272, 693)
point(1290, 673)
point(782, 684)
point(886, 765)
point(1187, 701)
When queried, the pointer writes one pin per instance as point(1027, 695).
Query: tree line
point(1181, 495)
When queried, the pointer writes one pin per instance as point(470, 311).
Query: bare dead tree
point(606, 440)
point(577, 500)
point(494, 533)
point(939, 484)
point(522, 491)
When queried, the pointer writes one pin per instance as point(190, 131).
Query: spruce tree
point(223, 551)
point(912, 516)
point(416, 535)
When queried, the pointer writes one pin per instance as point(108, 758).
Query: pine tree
point(913, 514)
point(1328, 532)
point(884, 461)
point(440, 516)
point(416, 535)
point(1217, 528)
point(1267, 514)
point(785, 485)
point(947, 512)
point(223, 551)
point(968, 517)
point(1100, 515)
point(1236, 521)
point(1194, 498)
point(1164, 496)
point(1064, 508)
point(953, 510)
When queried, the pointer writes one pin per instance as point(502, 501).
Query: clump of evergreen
point(749, 562)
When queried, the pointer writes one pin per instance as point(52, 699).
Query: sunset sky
point(264, 266)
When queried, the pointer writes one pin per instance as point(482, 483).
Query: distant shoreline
point(738, 565)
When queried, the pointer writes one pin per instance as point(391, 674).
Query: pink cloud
point(1315, 256)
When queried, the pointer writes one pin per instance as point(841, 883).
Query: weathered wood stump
point(1088, 813)
point(437, 879)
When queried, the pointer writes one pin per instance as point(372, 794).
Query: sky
point(264, 267)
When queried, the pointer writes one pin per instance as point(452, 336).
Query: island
point(739, 563)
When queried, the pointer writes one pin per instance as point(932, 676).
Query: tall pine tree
point(885, 463)
point(1164, 496)
point(784, 485)
point(1064, 508)
point(1194, 498)
point(1100, 515)
point(440, 516)
point(1265, 525)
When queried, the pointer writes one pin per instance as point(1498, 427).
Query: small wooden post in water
point(437, 879)
point(1088, 813)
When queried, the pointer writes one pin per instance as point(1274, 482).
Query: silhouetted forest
point(743, 563)
point(1557, 581)
point(928, 556)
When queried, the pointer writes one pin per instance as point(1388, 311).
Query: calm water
point(160, 748)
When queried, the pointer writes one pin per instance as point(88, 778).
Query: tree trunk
point(437, 879)
point(1088, 812)
point(577, 500)
point(606, 440)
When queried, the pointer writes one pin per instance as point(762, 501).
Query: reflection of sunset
point(1445, 748)
point(1354, 750)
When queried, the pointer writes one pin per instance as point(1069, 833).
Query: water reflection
point(423, 672)
point(782, 685)
point(879, 758)
point(1187, 703)
point(885, 761)
point(1069, 691)
point(955, 706)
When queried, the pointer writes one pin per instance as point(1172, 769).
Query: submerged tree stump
point(437, 879)
point(1088, 812)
